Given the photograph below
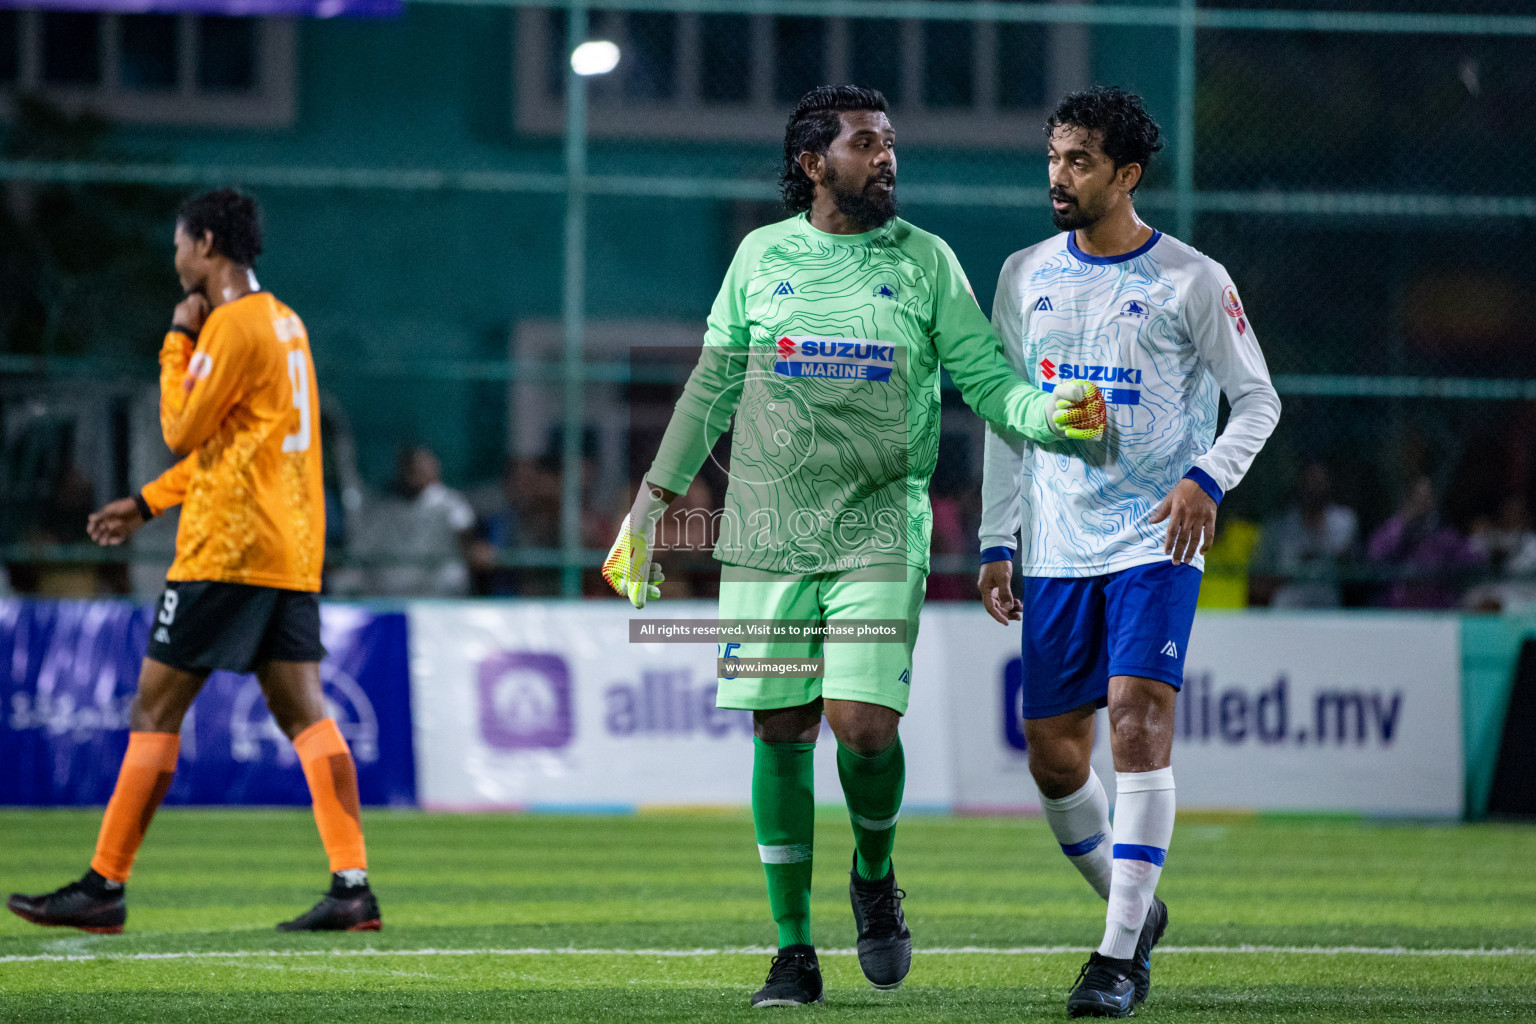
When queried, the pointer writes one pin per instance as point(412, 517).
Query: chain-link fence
point(484, 247)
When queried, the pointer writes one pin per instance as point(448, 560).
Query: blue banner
point(232, 8)
point(70, 670)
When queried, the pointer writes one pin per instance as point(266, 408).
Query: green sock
point(873, 786)
point(784, 815)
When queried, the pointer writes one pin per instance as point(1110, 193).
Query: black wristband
point(144, 510)
point(189, 332)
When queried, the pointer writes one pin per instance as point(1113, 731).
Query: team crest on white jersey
point(1234, 308)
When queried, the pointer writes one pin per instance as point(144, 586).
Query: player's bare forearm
point(1191, 517)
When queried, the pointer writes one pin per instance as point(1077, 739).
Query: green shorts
point(875, 673)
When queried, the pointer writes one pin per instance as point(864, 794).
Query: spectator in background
point(499, 529)
point(61, 520)
point(415, 541)
point(954, 531)
point(536, 487)
point(527, 516)
point(1298, 559)
point(542, 510)
point(1425, 553)
point(1505, 544)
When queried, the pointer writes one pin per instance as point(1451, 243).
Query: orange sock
point(332, 781)
point(142, 781)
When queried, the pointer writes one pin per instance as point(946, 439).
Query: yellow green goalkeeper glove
point(628, 567)
point(1080, 412)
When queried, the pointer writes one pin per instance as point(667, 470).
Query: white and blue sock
point(1143, 827)
point(1080, 822)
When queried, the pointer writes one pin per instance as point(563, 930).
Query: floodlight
point(595, 57)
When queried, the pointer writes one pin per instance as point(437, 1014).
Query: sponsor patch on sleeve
point(1234, 308)
point(200, 366)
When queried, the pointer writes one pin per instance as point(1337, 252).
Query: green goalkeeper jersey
point(826, 349)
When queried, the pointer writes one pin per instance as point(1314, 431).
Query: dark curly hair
point(1129, 134)
point(812, 127)
point(232, 216)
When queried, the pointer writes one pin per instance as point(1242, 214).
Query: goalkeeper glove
point(1080, 412)
point(628, 567)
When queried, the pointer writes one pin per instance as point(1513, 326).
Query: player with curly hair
point(1110, 539)
point(824, 346)
point(238, 401)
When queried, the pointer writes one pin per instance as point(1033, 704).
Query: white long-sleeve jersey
point(1162, 332)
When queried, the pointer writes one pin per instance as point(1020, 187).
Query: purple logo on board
point(525, 701)
point(1013, 705)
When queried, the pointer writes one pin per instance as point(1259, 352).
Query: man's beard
point(867, 210)
point(1075, 216)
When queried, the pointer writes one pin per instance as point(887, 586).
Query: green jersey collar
point(859, 239)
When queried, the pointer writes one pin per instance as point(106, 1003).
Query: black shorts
point(204, 625)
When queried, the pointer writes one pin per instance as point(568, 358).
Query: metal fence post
point(574, 304)
point(1184, 130)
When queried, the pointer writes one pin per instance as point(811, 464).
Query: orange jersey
point(243, 405)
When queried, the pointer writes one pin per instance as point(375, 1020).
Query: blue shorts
point(1078, 632)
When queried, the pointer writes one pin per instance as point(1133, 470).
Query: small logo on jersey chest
point(1051, 374)
point(1043, 305)
point(1171, 649)
point(1098, 374)
point(1135, 309)
point(784, 288)
point(885, 291)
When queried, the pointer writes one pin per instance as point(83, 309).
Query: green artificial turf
point(538, 918)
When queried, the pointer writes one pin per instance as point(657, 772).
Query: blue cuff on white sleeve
point(998, 554)
point(1206, 482)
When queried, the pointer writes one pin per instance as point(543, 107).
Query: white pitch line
point(279, 954)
